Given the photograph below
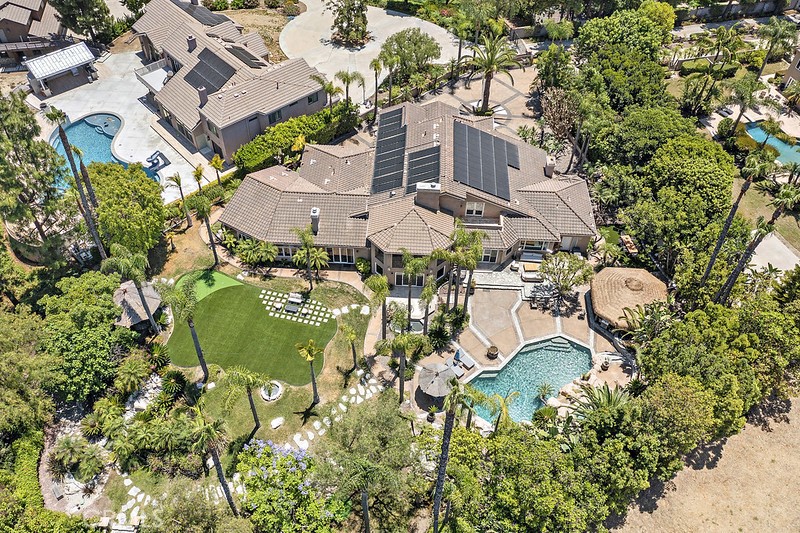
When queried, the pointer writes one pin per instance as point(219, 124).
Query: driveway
point(773, 250)
point(308, 37)
point(118, 91)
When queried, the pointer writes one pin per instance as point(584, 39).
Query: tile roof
point(401, 223)
point(49, 26)
point(15, 14)
point(31, 5)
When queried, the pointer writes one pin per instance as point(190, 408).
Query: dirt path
point(747, 484)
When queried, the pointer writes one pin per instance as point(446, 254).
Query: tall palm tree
point(755, 167)
point(348, 78)
point(461, 28)
point(404, 346)
point(310, 351)
point(132, 266)
point(793, 168)
point(240, 379)
point(412, 267)
point(318, 259)
point(474, 398)
point(778, 33)
point(175, 181)
point(495, 56)
point(500, 408)
point(210, 437)
point(771, 127)
point(788, 198)
point(379, 285)
point(183, 301)
point(426, 297)
point(328, 87)
point(202, 207)
point(390, 63)
point(376, 67)
point(86, 179)
point(743, 94)
point(453, 403)
point(351, 337)
point(472, 255)
point(446, 255)
point(792, 94)
point(217, 163)
point(723, 43)
point(360, 474)
point(596, 398)
point(197, 174)
point(58, 117)
point(303, 255)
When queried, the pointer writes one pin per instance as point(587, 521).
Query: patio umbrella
point(434, 380)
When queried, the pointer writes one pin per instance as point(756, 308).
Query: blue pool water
point(786, 152)
point(556, 361)
point(94, 134)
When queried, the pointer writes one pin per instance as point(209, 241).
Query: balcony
point(473, 222)
point(155, 75)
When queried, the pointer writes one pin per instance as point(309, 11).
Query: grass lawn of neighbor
point(234, 328)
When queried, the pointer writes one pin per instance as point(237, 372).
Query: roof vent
point(191, 42)
point(347, 161)
point(312, 162)
point(315, 220)
point(244, 92)
point(236, 95)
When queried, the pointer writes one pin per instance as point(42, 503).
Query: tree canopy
point(412, 50)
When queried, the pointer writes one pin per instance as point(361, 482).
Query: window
point(532, 246)
point(402, 280)
point(294, 103)
point(490, 256)
point(475, 209)
point(341, 255)
point(275, 117)
point(212, 128)
point(314, 98)
point(441, 272)
point(378, 269)
point(285, 252)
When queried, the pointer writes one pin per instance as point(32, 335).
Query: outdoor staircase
point(559, 345)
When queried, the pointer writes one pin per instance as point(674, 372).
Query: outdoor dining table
point(291, 308)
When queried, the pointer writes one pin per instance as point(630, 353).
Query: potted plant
point(431, 413)
point(472, 286)
point(492, 352)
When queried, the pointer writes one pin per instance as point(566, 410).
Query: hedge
point(27, 450)
point(320, 128)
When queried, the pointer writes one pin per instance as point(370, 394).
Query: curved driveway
point(308, 36)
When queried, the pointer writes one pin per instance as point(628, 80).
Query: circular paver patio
point(308, 36)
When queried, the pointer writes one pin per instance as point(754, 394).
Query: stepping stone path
point(311, 312)
point(365, 310)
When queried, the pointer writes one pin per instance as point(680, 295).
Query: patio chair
point(534, 303)
point(467, 362)
point(458, 371)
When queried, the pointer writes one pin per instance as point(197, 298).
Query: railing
point(161, 64)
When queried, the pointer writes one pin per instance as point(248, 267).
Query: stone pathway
point(310, 312)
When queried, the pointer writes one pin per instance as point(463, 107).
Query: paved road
point(775, 251)
point(308, 36)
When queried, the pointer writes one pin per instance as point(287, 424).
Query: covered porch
point(61, 70)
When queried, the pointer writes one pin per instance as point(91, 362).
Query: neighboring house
point(793, 71)
point(28, 28)
point(430, 166)
point(213, 83)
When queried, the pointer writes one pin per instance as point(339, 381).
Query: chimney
point(191, 42)
point(315, 220)
point(195, 2)
point(203, 94)
point(549, 167)
point(428, 195)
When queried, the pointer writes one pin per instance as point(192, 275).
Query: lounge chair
point(534, 304)
point(467, 362)
point(459, 372)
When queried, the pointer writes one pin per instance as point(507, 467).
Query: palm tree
point(778, 33)
point(755, 167)
point(360, 474)
point(379, 285)
point(351, 337)
point(303, 255)
point(793, 168)
point(412, 267)
point(240, 379)
point(441, 254)
point(318, 259)
point(792, 94)
point(202, 207)
point(310, 351)
point(495, 56)
point(175, 181)
point(545, 389)
point(724, 44)
point(472, 255)
point(197, 174)
point(500, 408)
point(132, 266)
point(426, 297)
point(646, 322)
point(474, 398)
point(58, 117)
point(217, 163)
point(597, 398)
point(405, 346)
point(209, 437)
point(771, 127)
point(86, 179)
point(347, 78)
point(461, 28)
point(328, 87)
point(389, 63)
point(788, 197)
point(183, 301)
point(376, 67)
point(743, 94)
point(453, 403)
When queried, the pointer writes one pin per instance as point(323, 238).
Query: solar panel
point(423, 165)
point(513, 155)
point(389, 152)
point(212, 72)
point(201, 14)
point(481, 160)
point(246, 57)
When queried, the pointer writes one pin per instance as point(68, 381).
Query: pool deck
point(118, 91)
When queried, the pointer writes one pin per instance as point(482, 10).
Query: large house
point(430, 165)
point(215, 84)
point(28, 28)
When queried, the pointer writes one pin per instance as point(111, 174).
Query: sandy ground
point(266, 22)
point(9, 80)
point(747, 484)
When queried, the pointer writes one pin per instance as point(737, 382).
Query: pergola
point(614, 289)
point(71, 59)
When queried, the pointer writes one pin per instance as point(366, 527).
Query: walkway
point(308, 36)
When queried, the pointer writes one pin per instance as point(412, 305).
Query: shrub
point(244, 4)
point(725, 71)
point(696, 65)
point(90, 426)
point(158, 356)
point(785, 137)
point(174, 382)
point(272, 4)
point(754, 59)
point(216, 5)
point(725, 128)
point(291, 9)
point(214, 192)
point(27, 450)
point(363, 266)
point(130, 374)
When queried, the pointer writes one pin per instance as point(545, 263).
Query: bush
point(691, 67)
point(216, 5)
point(272, 4)
point(158, 356)
point(291, 9)
point(363, 266)
point(725, 128)
point(754, 59)
point(214, 192)
point(244, 4)
point(27, 450)
point(722, 72)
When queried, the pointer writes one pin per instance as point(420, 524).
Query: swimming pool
point(786, 152)
point(93, 134)
point(556, 361)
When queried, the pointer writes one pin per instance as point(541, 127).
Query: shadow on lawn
point(307, 413)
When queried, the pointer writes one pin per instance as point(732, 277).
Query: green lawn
point(235, 329)
point(210, 281)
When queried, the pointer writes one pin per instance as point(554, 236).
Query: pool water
point(556, 361)
point(786, 152)
point(94, 134)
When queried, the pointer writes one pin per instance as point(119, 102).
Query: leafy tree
point(780, 34)
point(494, 56)
point(349, 20)
point(379, 286)
point(84, 17)
point(240, 379)
point(660, 13)
point(626, 27)
point(559, 31)
point(788, 290)
point(132, 266)
point(310, 351)
point(183, 301)
point(130, 210)
point(565, 271)
point(184, 509)
point(202, 206)
point(626, 76)
point(559, 111)
point(554, 69)
point(409, 51)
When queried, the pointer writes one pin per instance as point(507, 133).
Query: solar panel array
point(210, 72)
point(423, 166)
point(246, 57)
point(481, 160)
point(390, 151)
point(201, 14)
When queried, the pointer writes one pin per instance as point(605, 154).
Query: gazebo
point(133, 313)
point(76, 60)
point(615, 288)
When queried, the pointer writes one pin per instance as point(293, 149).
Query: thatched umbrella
point(127, 297)
point(434, 380)
point(614, 289)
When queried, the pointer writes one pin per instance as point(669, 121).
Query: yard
point(268, 23)
point(755, 204)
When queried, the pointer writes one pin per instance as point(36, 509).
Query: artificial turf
point(210, 281)
point(235, 328)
